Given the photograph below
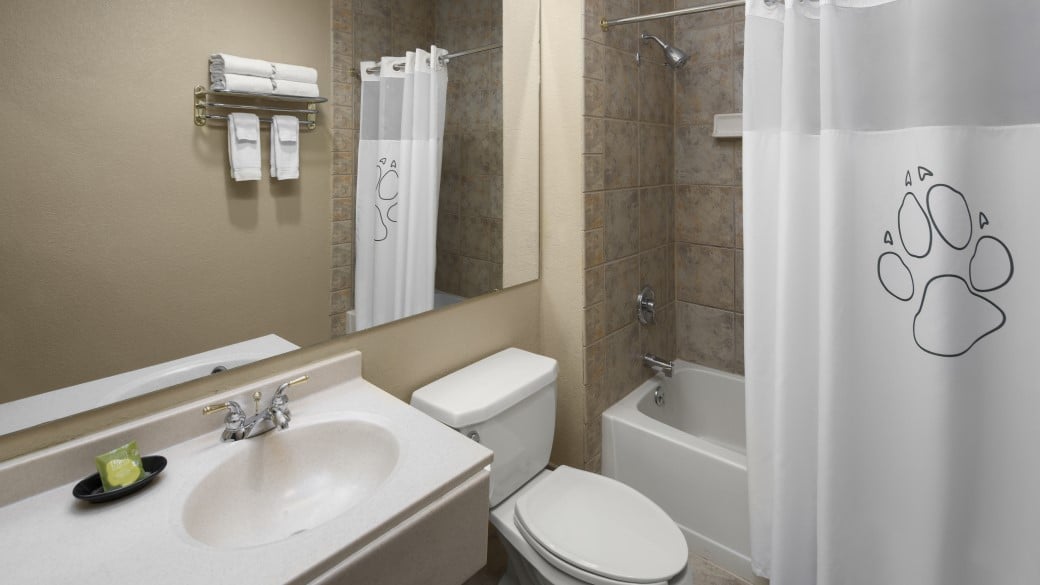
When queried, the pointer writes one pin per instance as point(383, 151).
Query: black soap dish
point(91, 490)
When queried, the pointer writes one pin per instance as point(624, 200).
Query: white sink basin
point(289, 481)
point(356, 467)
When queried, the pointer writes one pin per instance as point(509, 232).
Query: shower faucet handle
point(645, 306)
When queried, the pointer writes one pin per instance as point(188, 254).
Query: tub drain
point(658, 396)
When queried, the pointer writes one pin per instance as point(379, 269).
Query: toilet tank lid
point(485, 388)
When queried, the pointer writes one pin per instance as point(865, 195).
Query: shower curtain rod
point(605, 24)
point(443, 59)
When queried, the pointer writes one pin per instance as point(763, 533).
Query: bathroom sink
point(289, 481)
point(347, 489)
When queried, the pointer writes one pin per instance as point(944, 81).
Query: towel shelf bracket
point(205, 108)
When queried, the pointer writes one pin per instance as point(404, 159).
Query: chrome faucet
point(657, 364)
point(238, 426)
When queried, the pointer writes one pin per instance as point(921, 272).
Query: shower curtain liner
point(398, 183)
point(892, 219)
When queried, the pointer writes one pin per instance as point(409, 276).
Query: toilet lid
point(602, 526)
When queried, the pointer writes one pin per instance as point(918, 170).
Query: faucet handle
point(279, 398)
point(281, 389)
point(235, 413)
point(234, 422)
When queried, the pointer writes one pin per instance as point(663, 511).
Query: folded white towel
point(299, 73)
point(285, 147)
point(296, 88)
point(243, 83)
point(244, 146)
point(222, 63)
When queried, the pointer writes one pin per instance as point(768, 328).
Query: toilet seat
point(599, 530)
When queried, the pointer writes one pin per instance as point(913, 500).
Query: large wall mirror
point(125, 244)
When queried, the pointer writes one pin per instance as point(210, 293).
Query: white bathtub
point(688, 456)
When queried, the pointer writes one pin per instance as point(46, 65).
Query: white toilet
point(561, 527)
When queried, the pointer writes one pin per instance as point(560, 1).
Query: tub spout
point(657, 364)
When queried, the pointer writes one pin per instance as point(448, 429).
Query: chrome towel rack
point(207, 106)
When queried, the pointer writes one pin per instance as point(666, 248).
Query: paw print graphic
point(953, 312)
point(386, 197)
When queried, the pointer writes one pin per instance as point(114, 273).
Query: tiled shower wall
point(662, 199)
point(629, 196)
point(709, 257)
point(472, 236)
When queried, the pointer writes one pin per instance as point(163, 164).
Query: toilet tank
point(506, 402)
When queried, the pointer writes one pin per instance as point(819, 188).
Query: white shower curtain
point(892, 214)
point(399, 168)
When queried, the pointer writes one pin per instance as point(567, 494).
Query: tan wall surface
point(123, 241)
point(561, 212)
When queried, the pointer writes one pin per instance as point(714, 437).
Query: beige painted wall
point(562, 220)
point(123, 242)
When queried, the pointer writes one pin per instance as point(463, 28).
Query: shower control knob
point(645, 309)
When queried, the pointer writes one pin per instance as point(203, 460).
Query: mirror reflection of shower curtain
point(399, 165)
point(890, 223)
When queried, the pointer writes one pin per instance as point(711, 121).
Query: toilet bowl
point(562, 526)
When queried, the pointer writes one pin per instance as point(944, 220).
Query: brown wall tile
point(659, 338)
point(621, 168)
point(595, 326)
point(595, 291)
point(705, 335)
point(595, 247)
point(703, 91)
point(656, 217)
point(704, 275)
point(594, 210)
point(656, 158)
point(704, 215)
point(656, 269)
point(701, 159)
point(621, 83)
point(593, 135)
point(624, 285)
point(656, 91)
point(621, 219)
point(624, 367)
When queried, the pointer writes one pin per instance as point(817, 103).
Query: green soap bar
point(120, 467)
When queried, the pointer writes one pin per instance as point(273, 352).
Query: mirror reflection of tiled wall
point(469, 222)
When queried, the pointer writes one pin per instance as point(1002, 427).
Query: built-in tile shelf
point(728, 126)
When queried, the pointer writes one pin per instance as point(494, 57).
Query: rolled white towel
point(244, 83)
point(223, 63)
point(295, 88)
point(285, 72)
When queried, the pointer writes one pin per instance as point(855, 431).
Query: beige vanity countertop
point(51, 537)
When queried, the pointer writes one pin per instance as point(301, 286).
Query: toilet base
point(524, 565)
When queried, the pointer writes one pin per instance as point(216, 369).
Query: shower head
point(674, 58)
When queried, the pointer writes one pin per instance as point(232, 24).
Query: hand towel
point(285, 147)
point(296, 88)
point(243, 83)
point(221, 63)
point(244, 146)
point(299, 73)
